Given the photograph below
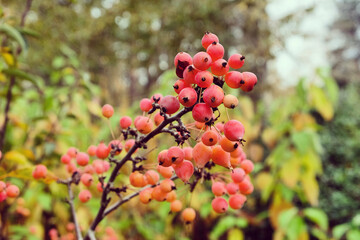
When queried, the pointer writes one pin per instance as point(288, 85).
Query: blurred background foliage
point(69, 57)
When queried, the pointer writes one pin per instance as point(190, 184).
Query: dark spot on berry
point(173, 159)
point(214, 43)
point(211, 140)
point(203, 79)
point(224, 64)
point(190, 68)
point(185, 99)
point(242, 58)
point(232, 106)
point(161, 163)
point(206, 59)
point(213, 99)
point(236, 146)
point(206, 119)
point(242, 81)
point(163, 109)
point(176, 87)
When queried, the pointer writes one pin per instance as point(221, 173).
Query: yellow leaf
point(275, 209)
point(23, 173)
point(247, 107)
point(235, 234)
point(15, 159)
point(269, 136)
point(8, 58)
point(278, 235)
point(290, 172)
point(321, 102)
point(304, 235)
point(312, 162)
point(310, 187)
point(2, 77)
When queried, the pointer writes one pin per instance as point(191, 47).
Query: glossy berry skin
point(145, 104)
point(236, 61)
point(202, 61)
point(91, 150)
point(216, 51)
point(188, 215)
point(107, 111)
point(176, 206)
point(169, 104)
point(158, 119)
point(39, 171)
point(86, 179)
point(238, 175)
point(188, 97)
point(152, 177)
point(82, 159)
point(12, 191)
point(165, 172)
point(220, 157)
point(234, 130)
point(145, 195)
point(209, 138)
point(202, 112)
point(144, 125)
point(219, 205)
point(163, 159)
point(167, 185)
point(204, 79)
point(176, 155)
point(189, 74)
point(230, 101)
point(228, 145)
point(184, 170)
point(137, 179)
point(180, 85)
point(250, 80)
point(84, 196)
point(213, 96)
point(208, 38)
point(237, 201)
point(218, 188)
point(234, 79)
point(125, 122)
point(182, 57)
point(220, 67)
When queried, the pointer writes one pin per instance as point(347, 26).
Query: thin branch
point(9, 97)
point(70, 201)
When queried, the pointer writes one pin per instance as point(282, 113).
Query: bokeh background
point(302, 120)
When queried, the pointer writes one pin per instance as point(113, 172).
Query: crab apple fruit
point(65, 158)
point(72, 152)
point(236, 61)
point(91, 150)
point(102, 151)
point(171, 196)
point(156, 97)
point(163, 159)
point(82, 159)
point(71, 167)
point(189, 74)
point(152, 177)
point(176, 155)
point(181, 58)
point(188, 153)
point(144, 125)
point(250, 80)
point(230, 101)
point(167, 185)
point(204, 79)
point(209, 138)
point(188, 215)
point(220, 157)
point(188, 97)
point(232, 188)
point(3, 196)
point(137, 179)
point(202, 112)
point(247, 165)
point(180, 85)
point(12, 191)
point(99, 187)
point(184, 170)
point(202, 61)
point(86, 179)
point(145, 195)
point(158, 119)
point(125, 122)
point(219, 205)
point(216, 51)
point(208, 38)
point(201, 154)
point(129, 144)
point(176, 206)
point(220, 67)
point(234, 130)
point(213, 96)
point(107, 111)
point(235, 161)
point(2, 186)
point(39, 171)
point(245, 186)
point(234, 79)
point(228, 145)
point(237, 201)
point(85, 195)
point(165, 172)
point(89, 169)
point(169, 104)
point(158, 194)
point(115, 146)
point(218, 188)
point(238, 175)
point(145, 104)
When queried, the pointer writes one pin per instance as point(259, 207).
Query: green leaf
point(302, 141)
point(29, 32)
point(319, 234)
point(45, 201)
point(331, 86)
point(286, 216)
point(22, 75)
point(295, 228)
point(318, 216)
point(340, 230)
point(13, 33)
point(353, 234)
point(356, 220)
point(225, 224)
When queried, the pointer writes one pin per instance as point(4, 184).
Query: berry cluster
point(8, 190)
point(218, 144)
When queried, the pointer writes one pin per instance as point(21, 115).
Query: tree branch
point(70, 201)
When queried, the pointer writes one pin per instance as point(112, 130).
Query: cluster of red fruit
point(8, 189)
point(200, 91)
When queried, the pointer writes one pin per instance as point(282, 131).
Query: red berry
point(72, 152)
point(182, 57)
point(145, 195)
point(204, 79)
point(169, 104)
point(163, 159)
point(188, 215)
point(144, 125)
point(85, 195)
point(39, 171)
point(201, 154)
point(180, 85)
point(107, 110)
point(12, 191)
point(188, 97)
point(234, 79)
point(102, 151)
point(236, 61)
point(202, 112)
point(247, 165)
point(152, 177)
point(202, 61)
point(129, 144)
point(234, 130)
point(213, 96)
point(145, 105)
point(65, 159)
point(237, 201)
point(215, 50)
point(176, 206)
point(188, 153)
point(175, 155)
point(158, 119)
point(218, 188)
point(210, 138)
point(82, 159)
point(166, 172)
point(250, 80)
point(156, 97)
point(220, 157)
point(232, 188)
point(184, 170)
point(115, 146)
point(91, 150)
point(189, 74)
point(238, 175)
point(86, 179)
point(219, 205)
point(208, 38)
point(125, 122)
point(220, 67)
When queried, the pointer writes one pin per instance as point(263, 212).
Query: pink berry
point(82, 159)
point(188, 97)
point(85, 195)
point(72, 152)
point(219, 205)
point(202, 61)
point(213, 96)
point(232, 188)
point(156, 97)
point(163, 159)
point(236, 201)
point(208, 38)
point(218, 188)
point(125, 122)
point(65, 159)
point(86, 179)
point(182, 57)
point(234, 130)
point(189, 74)
point(184, 170)
point(236, 61)
point(180, 85)
point(158, 119)
point(107, 110)
point(12, 191)
point(102, 151)
point(202, 112)
point(175, 155)
point(91, 150)
point(169, 104)
point(145, 105)
point(216, 51)
point(250, 80)
point(237, 175)
point(204, 79)
point(234, 79)
point(39, 171)
point(220, 67)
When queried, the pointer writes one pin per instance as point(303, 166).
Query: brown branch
point(105, 200)
point(9, 97)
